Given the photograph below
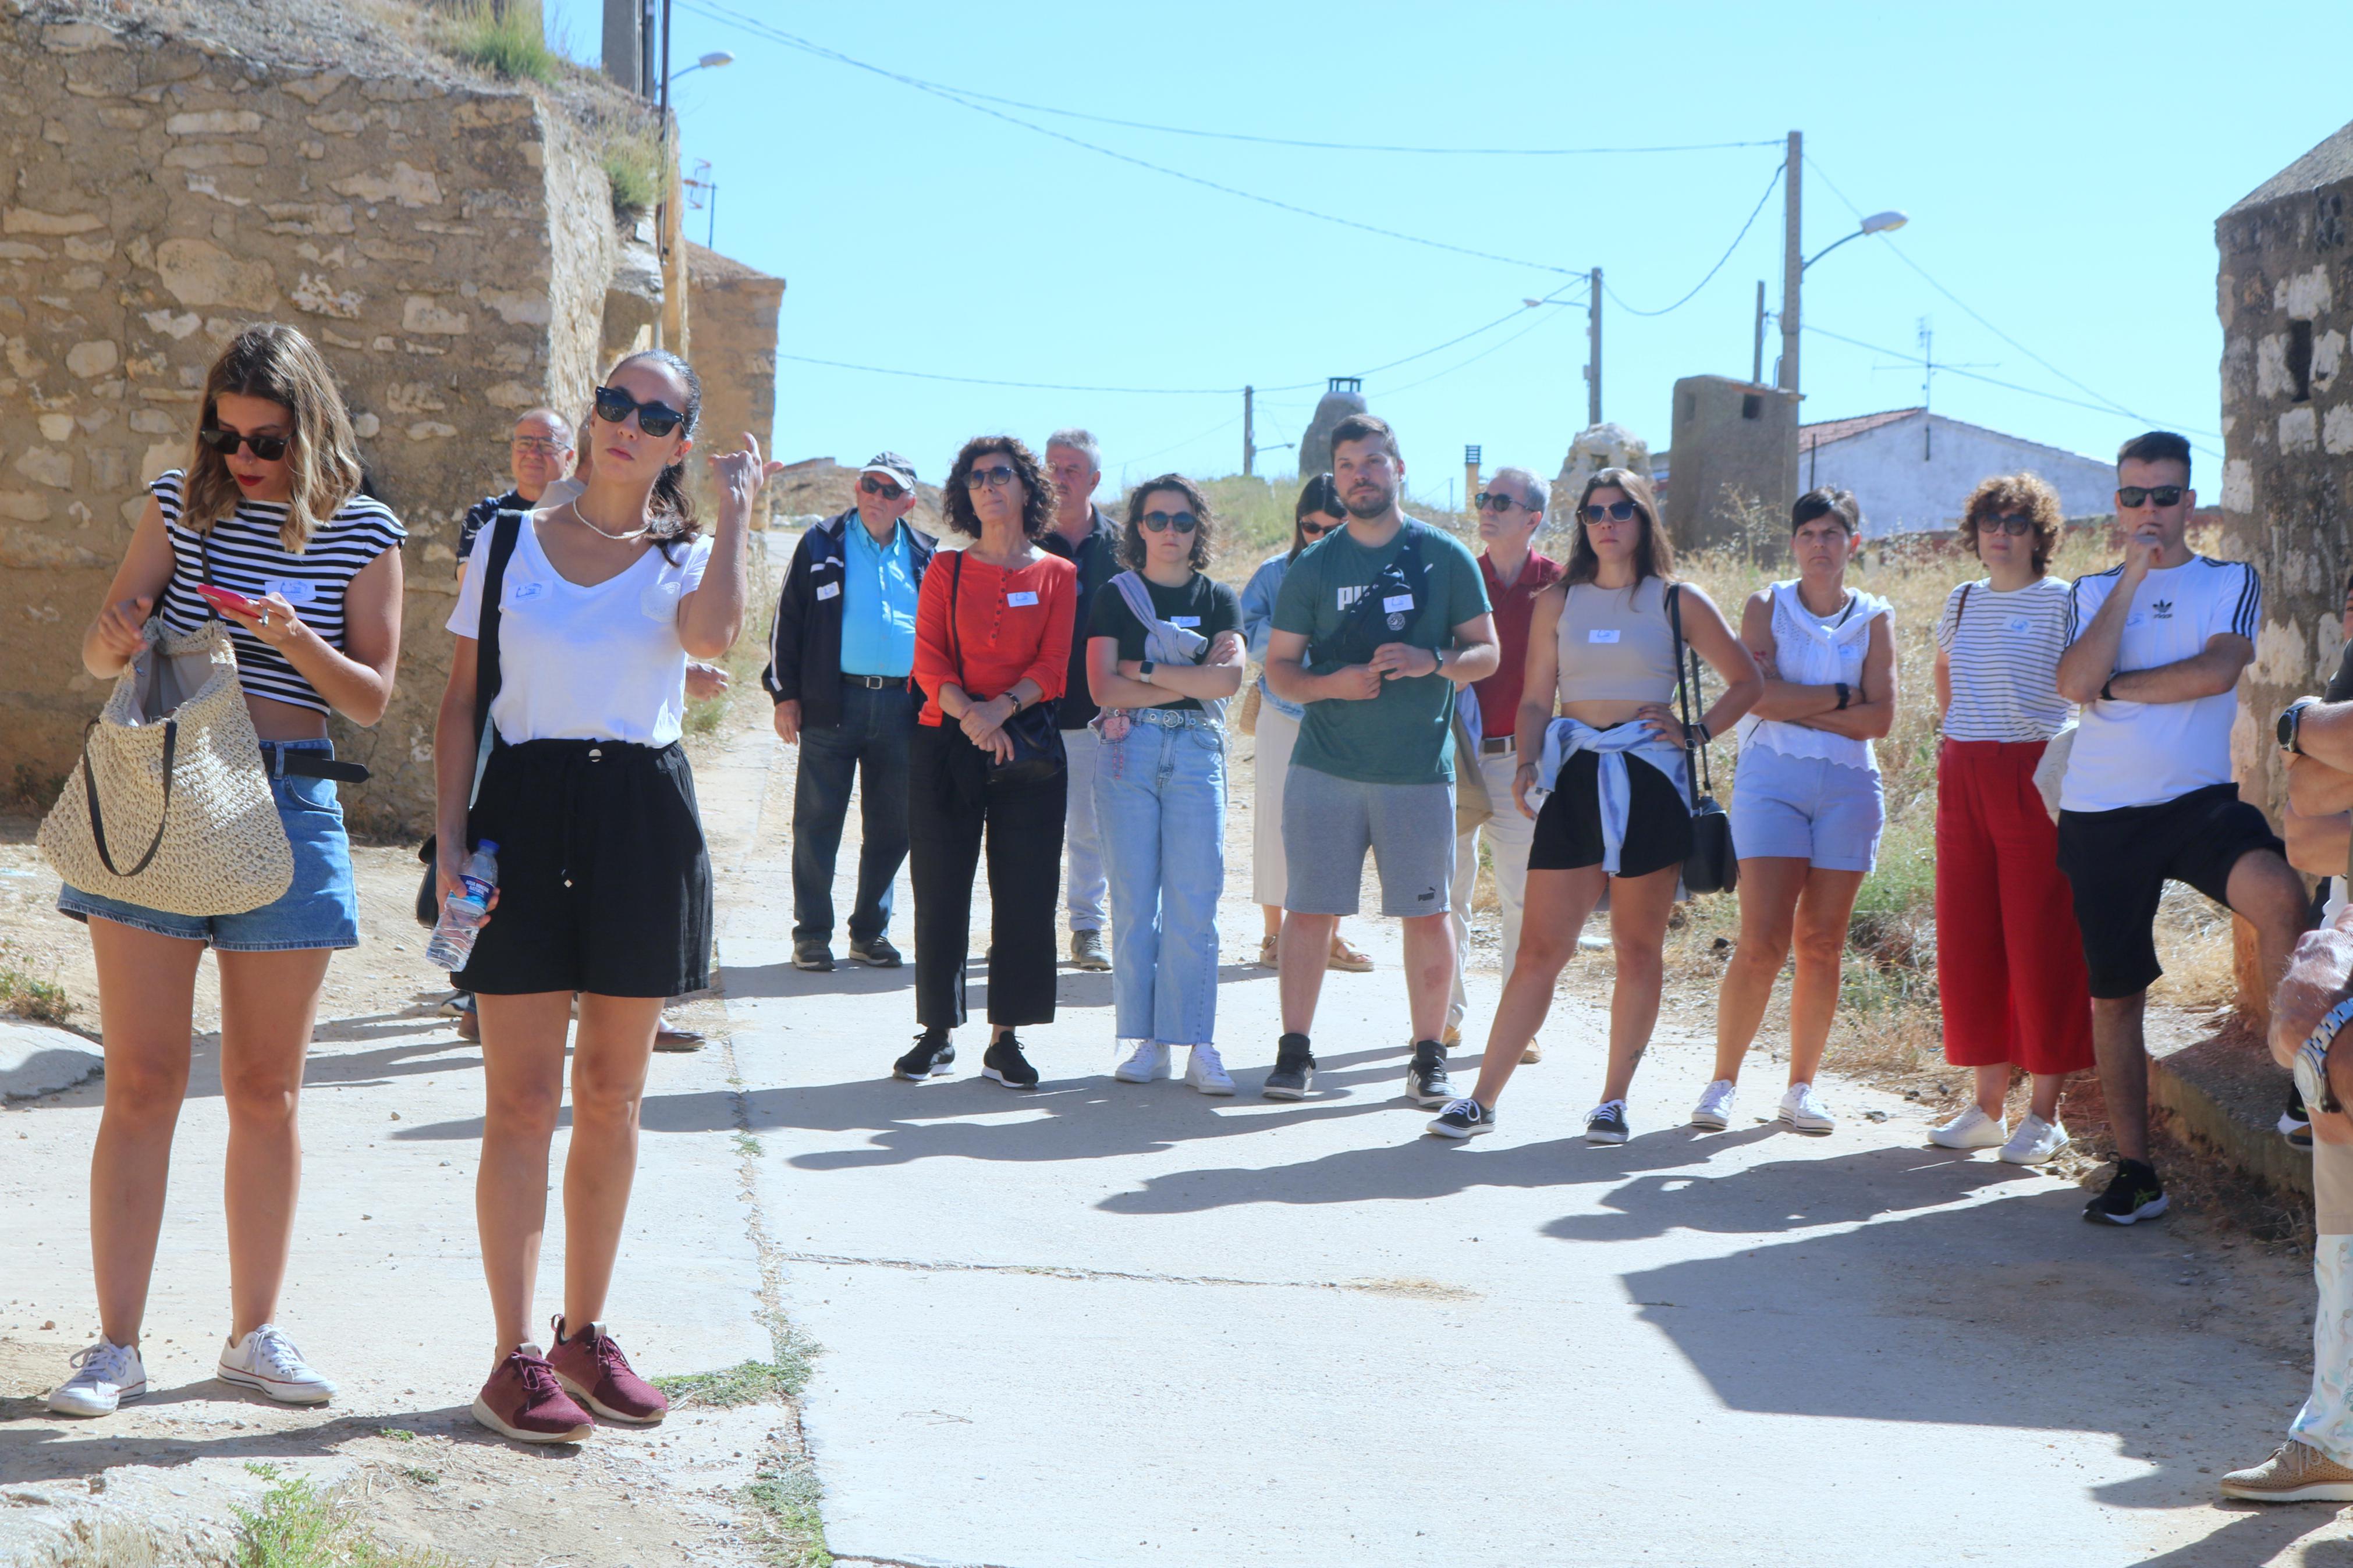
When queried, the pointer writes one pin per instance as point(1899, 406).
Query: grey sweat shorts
point(1328, 823)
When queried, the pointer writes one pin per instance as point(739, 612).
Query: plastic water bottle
point(463, 911)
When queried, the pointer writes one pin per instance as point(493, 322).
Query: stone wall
point(732, 308)
point(448, 243)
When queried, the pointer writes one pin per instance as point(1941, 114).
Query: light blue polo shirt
point(878, 603)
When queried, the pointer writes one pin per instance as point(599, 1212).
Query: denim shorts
point(1806, 808)
point(320, 908)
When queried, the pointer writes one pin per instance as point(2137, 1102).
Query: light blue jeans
point(1160, 801)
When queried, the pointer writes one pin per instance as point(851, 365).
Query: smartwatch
point(1846, 694)
point(2107, 692)
point(1144, 672)
point(1699, 726)
point(2291, 719)
point(2312, 1059)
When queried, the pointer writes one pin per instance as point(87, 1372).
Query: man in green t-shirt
point(1377, 625)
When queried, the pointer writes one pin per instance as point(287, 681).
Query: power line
point(1770, 185)
point(1537, 325)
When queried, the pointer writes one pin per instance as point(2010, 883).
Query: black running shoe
point(1294, 1070)
point(2133, 1195)
point(1004, 1062)
point(1426, 1083)
point(812, 955)
point(2296, 1122)
point(876, 953)
point(933, 1057)
point(1465, 1118)
point(1606, 1123)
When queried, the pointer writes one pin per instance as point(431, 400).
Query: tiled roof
point(1828, 430)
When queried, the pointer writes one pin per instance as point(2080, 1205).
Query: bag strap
point(506, 529)
point(955, 642)
point(1962, 609)
point(1695, 766)
point(97, 820)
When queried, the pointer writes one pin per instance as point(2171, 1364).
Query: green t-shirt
point(1203, 605)
point(1404, 736)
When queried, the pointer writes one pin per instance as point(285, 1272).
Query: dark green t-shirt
point(1203, 605)
point(1404, 736)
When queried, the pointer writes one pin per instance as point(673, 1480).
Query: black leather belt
point(1497, 745)
point(283, 760)
point(874, 682)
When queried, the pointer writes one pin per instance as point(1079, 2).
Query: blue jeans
point(1160, 799)
point(876, 726)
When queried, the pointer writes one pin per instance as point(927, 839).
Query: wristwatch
point(2107, 689)
point(1846, 694)
point(2312, 1059)
point(1144, 672)
point(2291, 719)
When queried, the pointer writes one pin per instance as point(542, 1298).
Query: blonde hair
point(277, 363)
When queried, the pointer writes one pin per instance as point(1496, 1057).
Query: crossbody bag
point(1713, 866)
point(505, 530)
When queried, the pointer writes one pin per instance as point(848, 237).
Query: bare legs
point(1993, 1092)
point(1304, 950)
point(269, 1003)
point(522, 1056)
point(1785, 902)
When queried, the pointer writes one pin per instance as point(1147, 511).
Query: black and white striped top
point(2003, 652)
point(248, 558)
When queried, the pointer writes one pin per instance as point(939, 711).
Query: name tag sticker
point(2017, 623)
point(1021, 600)
point(523, 593)
point(1396, 602)
point(293, 590)
point(828, 590)
point(1602, 633)
point(2135, 619)
point(1184, 620)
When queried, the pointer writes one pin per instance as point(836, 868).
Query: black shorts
point(2118, 863)
point(604, 882)
point(1569, 826)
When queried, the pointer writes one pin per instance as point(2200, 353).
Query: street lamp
point(718, 57)
point(1877, 223)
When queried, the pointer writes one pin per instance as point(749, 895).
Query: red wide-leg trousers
point(2009, 962)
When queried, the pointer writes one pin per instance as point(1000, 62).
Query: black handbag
point(1038, 753)
point(505, 531)
point(1713, 866)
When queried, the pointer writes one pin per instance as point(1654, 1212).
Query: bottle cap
point(487, 846)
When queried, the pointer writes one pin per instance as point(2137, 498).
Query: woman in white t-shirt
point(604, 884)
point(2010, 961)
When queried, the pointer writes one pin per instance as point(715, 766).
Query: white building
point(1913, 471)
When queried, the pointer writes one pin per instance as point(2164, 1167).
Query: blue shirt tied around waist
point(877, 608)
point(1258, 623)
point(1564, 738)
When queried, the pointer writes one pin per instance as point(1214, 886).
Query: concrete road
point(1109, 1324)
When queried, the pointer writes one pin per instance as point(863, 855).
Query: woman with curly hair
point(2009, 962)
point(992, 647)
point(1163, 653)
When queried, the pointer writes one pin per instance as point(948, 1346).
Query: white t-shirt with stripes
point(248, 558)
point(2004, 650)
point(2144, 753)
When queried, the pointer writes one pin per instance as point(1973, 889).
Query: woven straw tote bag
point(170, 807)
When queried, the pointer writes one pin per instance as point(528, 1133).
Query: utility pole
point(1249, 434)
point(1471, 455)
point(1793, 255)
point(1756, 364)
point(1593, 335)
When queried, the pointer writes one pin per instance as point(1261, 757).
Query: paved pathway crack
point(1428, 1289)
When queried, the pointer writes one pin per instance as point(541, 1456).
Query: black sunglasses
point(614, 406)
point(2132, 497)
point(1162, 521)
point(1616, 511)
point(1000, 474)
point(1315, 530)
point(268, 449)
point(1496, 501)
point(2006, 525)
point(875, 487)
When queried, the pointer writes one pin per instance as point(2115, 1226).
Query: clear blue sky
point(2062, 165)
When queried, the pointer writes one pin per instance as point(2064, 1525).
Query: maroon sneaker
point(525, 1400)
point(594, 1372)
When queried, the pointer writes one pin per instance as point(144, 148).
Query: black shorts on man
point(2119, 861)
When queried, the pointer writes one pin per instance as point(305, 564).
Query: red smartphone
point(222, 598)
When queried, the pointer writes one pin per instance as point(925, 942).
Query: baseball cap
point(892, 466)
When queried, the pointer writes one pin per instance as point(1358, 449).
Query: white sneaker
point(1715, 1107)
point(266, 1362)
point(104, 1376)
point(2035, 1142)
point(1206, 1071)
point(1149, 1062)
point(1802, 1109)
point(1972, 1128)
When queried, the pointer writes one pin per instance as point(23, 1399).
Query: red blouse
point(1011, 625)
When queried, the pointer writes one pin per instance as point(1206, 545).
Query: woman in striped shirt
point(2009, 964)
point(270, 506)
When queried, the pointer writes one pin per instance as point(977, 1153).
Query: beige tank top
point(1615, 644)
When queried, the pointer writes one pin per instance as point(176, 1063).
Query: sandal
point(1348, 957)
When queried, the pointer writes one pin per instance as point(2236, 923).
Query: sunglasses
point(1315, 530)
point(614, 406)
point(2132, 497)
point(1616, 511)
point(544, 446)
point(2006, 525)
point(268, 449)
point(1162, 521)
point(875, 487)
point(997, 475)
point(1496, 501)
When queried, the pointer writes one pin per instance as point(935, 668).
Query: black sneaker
point(1294, 1070)
point(1426, 1083)
point(2296, 1123)
point(2133, 1195)
point(877, 952)
point(1004, 1062)
point(815, 955)
point(1464, 1118)
point(933, 1057)
point(1606, 1123)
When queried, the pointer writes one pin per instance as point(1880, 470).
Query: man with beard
point(1378, 626)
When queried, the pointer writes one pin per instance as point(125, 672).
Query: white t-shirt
point(601, 663)
point(2004, 651)
point(2144, 753)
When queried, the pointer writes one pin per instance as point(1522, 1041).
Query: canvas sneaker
point(266, 1362)
point(2034, 1143)
point(933, 1057)
point(1606, 1123)
point(1004, 1062)
point(1206, 1071)
point(104, 1375)
point(1802, 1109)
point(2134, 1194)
point(525, 1400)
point(2297, 1472)
point(1715, 1107)
point(1148, 1063)
point(1972, 1128)
point(1464, 1118)
point(1294, 1070)
point(1426, 1083)
point(1087, 951)
point(2296, 1123)
point(875, 952)
point(593, 1369)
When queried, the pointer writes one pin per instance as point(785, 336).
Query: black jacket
point(1097, 559)
point(804, 645)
